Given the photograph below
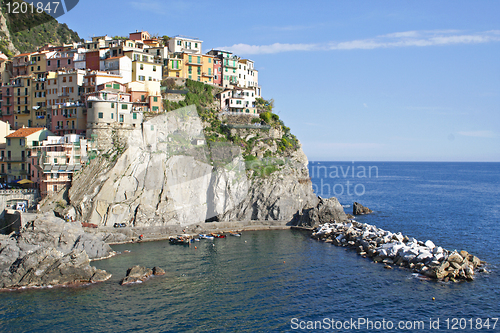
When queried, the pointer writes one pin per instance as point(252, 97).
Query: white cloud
point(479, 134)
point(397, 39)
point(364, 104)
point(266, 49)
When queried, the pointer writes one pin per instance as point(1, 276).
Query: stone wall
point(10, 197)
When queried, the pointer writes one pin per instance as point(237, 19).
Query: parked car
point(119, 225)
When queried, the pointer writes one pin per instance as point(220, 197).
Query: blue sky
point(355, 80)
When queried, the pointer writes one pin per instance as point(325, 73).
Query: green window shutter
point(108, 86)
point(116, 86)
point(112, 105)
point(155, 108)
point(100, 115)
point(112, 116)
point(124, 107)
point(155, 99)
point(134, 115)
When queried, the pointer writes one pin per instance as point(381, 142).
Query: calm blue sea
point(280, 281)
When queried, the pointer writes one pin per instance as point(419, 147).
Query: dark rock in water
point(327, 210)
point(137, 274)
point(158, 271)
point(140, 274)
point(349, 216)
point(359, 209)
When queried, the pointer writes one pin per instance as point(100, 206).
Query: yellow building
point(207, 72)
point(174, 66)
point(22, 93)
point(193, 64)
point(38, 64)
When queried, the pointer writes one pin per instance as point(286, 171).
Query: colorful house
point(18, 146)
point(53, 162)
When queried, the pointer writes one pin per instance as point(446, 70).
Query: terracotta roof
point(22, 55)
point(24, 132)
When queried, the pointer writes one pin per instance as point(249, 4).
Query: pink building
point(61, 60)
point(217, 72)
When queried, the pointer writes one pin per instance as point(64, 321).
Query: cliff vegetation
point(30, 31)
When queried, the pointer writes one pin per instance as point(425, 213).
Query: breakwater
point(396, 249)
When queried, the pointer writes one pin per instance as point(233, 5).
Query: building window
point(8, 142)
point(155, 99)
point(154, 68)
point(142, 66)
point(155, 108)
point(124, 107)
point(121, 118)
point(100, 115)
point(112, 116)
point(134, 115)
point(112, 105)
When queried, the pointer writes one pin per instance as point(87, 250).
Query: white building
point(179, 44)
point(239, 100)
point(247, 75)
point(121, 65)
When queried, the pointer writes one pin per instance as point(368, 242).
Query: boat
point(236, 234)
point(179, 240)
point(203, 236)
point(218, 236)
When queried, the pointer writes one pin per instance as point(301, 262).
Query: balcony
point(193, 63)
point(12, 158)
point(208, 74)
point(63, 94)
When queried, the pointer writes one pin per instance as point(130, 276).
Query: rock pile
point(399, 250)
point(140, 273)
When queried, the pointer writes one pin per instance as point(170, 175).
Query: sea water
point(282, 280)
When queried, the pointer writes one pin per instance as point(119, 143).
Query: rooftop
point(24, 132)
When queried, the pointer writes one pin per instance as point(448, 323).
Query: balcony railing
point(12, 158)
point(208, 74)
point(195, 63)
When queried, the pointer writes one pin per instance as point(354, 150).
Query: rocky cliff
point(166, 174)
point(50, 251)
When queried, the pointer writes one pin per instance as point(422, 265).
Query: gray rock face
point(162, 179)
point(50, 251)
point(359, 209)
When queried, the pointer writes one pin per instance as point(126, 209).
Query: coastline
point(159, 233)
